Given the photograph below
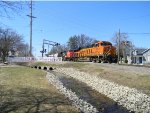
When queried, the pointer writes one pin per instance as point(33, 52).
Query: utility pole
point(48, 49)
point(30, 52)
point(43, 48)
point(118, 46)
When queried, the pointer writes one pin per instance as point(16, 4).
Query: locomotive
point(102, 51)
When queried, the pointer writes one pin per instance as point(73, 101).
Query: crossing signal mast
point(48, 43)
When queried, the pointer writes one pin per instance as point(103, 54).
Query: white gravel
point(77, 102)
point(130, 98)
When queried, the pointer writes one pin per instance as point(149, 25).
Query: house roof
point(145, 51)
point(140, 51)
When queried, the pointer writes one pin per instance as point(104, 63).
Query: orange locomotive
point(102, 51)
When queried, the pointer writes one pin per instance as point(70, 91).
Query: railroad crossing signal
point(57, 44)
point(48, 43)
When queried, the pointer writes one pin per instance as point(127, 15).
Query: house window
point(135, 52)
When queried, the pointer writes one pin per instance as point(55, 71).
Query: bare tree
point(9, 7)
point(80, 41)
point(73, 42)
point(58, 49)
point(10, 41)
point(125, 44)
point(23, 50)
point(85, 41)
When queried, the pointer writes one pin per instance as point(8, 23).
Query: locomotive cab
point(104, 51)
point(109, 51)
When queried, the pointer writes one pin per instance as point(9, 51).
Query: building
point(139, 56)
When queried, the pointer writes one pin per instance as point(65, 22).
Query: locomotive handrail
point(108, 50)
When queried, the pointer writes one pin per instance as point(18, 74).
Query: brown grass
point(26, 90)
point(123, 77)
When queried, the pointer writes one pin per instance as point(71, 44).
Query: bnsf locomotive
point(102, 51)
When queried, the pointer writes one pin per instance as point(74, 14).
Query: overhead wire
point(139, 33)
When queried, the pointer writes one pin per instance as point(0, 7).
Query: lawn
point(26, 90)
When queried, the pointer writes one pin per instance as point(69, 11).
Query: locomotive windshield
point(96, 45)
point(106, 44)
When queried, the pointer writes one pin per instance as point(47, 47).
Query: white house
point(139, 56)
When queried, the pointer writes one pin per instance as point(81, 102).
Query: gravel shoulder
point(76, 101)
point(133, 77)
point(102, 103)
point(130, 98)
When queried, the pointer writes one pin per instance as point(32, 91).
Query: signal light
point(57, 44)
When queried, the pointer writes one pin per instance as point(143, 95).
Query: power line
point(136, 33)
point(136, 17)
point(139, 33)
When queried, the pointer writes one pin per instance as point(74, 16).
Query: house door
point(140, 60)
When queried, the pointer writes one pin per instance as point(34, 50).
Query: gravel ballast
point(77, 102)
point(130, 98)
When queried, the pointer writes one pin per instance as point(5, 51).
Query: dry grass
point(77, 65)
point(26, 90)
point(122, 75)
point(134, 77)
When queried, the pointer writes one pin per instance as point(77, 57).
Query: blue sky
point(57, 21)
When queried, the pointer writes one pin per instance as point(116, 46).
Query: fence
point(32, 59)
point(49, 59)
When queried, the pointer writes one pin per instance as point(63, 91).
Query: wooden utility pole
point(118, 46)
point(30, 52)
point(43, 48)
